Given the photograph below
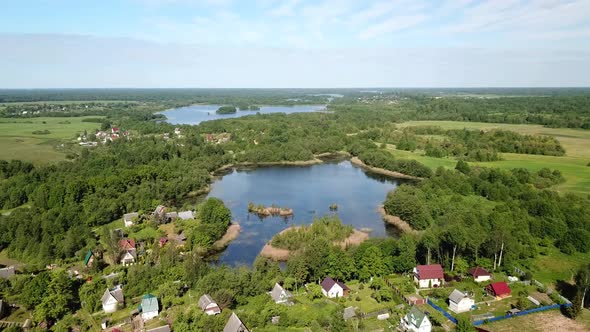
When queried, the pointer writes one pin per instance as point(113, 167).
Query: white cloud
point(394, 24)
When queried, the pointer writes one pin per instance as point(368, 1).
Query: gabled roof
point(500, 288)
point(432, 271)
point(328, 283)
point(149, 303)
point(456, 296)
point(479, 272)
point(165, 328)
point(89, 255)
point(278, 293)
point(415, 316)
point(7, 272)
point(205, 300)
point(160, 209)
point(127, 244)
point(129, 216)
point(186, 215)
point(113, 293)
point(234, 324)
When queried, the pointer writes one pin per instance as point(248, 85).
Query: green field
point(17, 140)
point(573, 165)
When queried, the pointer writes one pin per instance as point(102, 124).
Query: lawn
point(553, 265)
point(17, 140)
point(573, 165)
point(366, 303)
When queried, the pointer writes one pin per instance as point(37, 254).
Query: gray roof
point(7, 272)
point(278, 293)
point(129, 216)
point(165, 328)
point(172, 215)
point(116, 293)
point(456, 296)
point(349, 313)
point(149, 303)
point(205, 300)
point(186, 215)
point(234, 324)
point(415, 316)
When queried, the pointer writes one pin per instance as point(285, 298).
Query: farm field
point(17, 140)
point(573, 165)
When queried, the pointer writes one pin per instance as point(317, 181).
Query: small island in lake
point(226, 110)
point(265, 211)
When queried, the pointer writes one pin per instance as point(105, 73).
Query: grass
point(573, 165)
point(17, 140)
point(554, 265)
point(367, 303)
point(551, 320)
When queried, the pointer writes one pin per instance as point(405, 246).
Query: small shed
point(459, 302)
point(208, 305)
point(499, 290)
point(414, 299)
point(480, 274)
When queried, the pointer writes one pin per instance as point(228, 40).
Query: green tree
point(371, 264)
point(464, 325)
point(59, 299)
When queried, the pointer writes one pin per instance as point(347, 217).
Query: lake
point(309, 191)
point(196, 114)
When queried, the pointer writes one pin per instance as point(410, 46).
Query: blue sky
point(294, 43)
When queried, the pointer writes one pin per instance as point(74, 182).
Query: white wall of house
point(149, 315)
point(110, 306)
point(463, 306)
point(426, 283)
point(335, 291)
point(482, 278)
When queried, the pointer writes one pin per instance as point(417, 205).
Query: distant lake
point(196, 114)
point(309, 191)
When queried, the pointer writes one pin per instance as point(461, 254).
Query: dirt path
point(231, 234)
point(360, 163)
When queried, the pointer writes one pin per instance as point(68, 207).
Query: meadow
point(573, 166)
point(17, 140)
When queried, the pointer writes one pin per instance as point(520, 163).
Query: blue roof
point(149, 303)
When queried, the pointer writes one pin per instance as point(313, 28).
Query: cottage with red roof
point(129, 255)
point(499, 290)
point(332, 288)
point(480, 274)
point(428, 276)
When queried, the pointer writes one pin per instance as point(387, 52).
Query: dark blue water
point(309, 191)
point(196, 114)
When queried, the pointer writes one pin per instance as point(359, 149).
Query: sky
point(294, 43)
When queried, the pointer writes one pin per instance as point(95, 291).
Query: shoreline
point(231, 234)
point(279, 254)
point(356, 161)
point(396, 221)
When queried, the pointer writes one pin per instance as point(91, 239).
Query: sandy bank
point(356, 161)
point(231, 234)
point(396, 221)
point(357, 237)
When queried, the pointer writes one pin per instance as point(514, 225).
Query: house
point(165, 328)
point(480, 274)
point(332, 288)
point(459, 302)
point(114, 130)
point(159, 213)
point(129, 218)
point(499, 290)
point(127, 244)
point(186, 215)
point(128, 257)
point(414, 299)
point(89, 258)
point(170, 216)
point(280, 295)
point(208, 306)
point(428, 276)
point(234, 324)
point(177, 131)
point(416, 321)
point(149, 307)
point(7, 272)
point(3, 309)
point(112, 299)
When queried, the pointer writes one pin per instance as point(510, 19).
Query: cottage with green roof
point(416, 321)
point(89, 258)
point(149, 307)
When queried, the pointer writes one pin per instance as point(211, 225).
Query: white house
point(209, 306)
point(112, 298)
point(459, 302)
point(428, 276)
point(416, 321)
point(480, 274)
point(149, 307)
point(129, 218)
point(332, 288)
point(280, 295)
